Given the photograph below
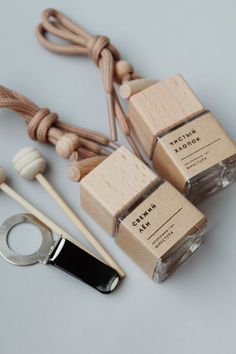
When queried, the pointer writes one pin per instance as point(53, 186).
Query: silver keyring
point(39, 256)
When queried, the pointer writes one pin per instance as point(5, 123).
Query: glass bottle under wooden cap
point(150, 220)
point(187, 145)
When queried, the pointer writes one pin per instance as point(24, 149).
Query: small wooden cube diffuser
point(113, 186)
point(160, 107)
point(151, 220)
point(187, 145)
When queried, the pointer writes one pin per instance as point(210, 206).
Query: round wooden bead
point(122, 68)
point(29, 162)
point(2, 175)
point(67, 144)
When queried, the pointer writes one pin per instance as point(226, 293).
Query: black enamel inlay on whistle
point(80, 264)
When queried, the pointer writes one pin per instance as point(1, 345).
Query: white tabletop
point(42, 310)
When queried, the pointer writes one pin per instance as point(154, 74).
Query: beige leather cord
point(102, 52)
point(85, 148)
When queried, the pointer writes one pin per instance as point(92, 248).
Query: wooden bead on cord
point(105, 56)
point(122, 69)
point(68, 143)
point(69, 140)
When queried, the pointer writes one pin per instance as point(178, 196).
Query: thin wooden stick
point(30, 164)
point(111, 115)
point(78, 223)
point(43, 218)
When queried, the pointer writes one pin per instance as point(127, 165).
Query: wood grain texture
point(161, 107)
point(113, 186)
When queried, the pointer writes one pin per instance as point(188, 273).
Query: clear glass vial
point(187, 145)
point(150, 220)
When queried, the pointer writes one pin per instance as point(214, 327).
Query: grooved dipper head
point(29, 162)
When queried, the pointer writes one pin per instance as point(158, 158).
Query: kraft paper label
point(157, 225)
point(192, 149)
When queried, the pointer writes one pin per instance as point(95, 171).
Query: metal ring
point(39, 256)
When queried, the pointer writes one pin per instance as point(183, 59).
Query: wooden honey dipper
point(83, 147)
point(30, 164)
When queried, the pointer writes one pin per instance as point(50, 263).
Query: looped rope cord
point(71, 142)
point(40, 124)
point(102, 52)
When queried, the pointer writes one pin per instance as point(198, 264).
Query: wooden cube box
point(159, 108)
point(113, 186)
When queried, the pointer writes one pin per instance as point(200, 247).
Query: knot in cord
point(40, 124)
point(85, 148)
point(78, 40)
point(102, 52)
point(95, 46)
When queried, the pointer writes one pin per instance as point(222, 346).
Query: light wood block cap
point(130, 88)
point(113, 186)
point(161, 107)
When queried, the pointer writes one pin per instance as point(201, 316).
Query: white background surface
point(43, 310)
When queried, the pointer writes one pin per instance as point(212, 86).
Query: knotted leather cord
point(102, 52)
point(71, 142)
